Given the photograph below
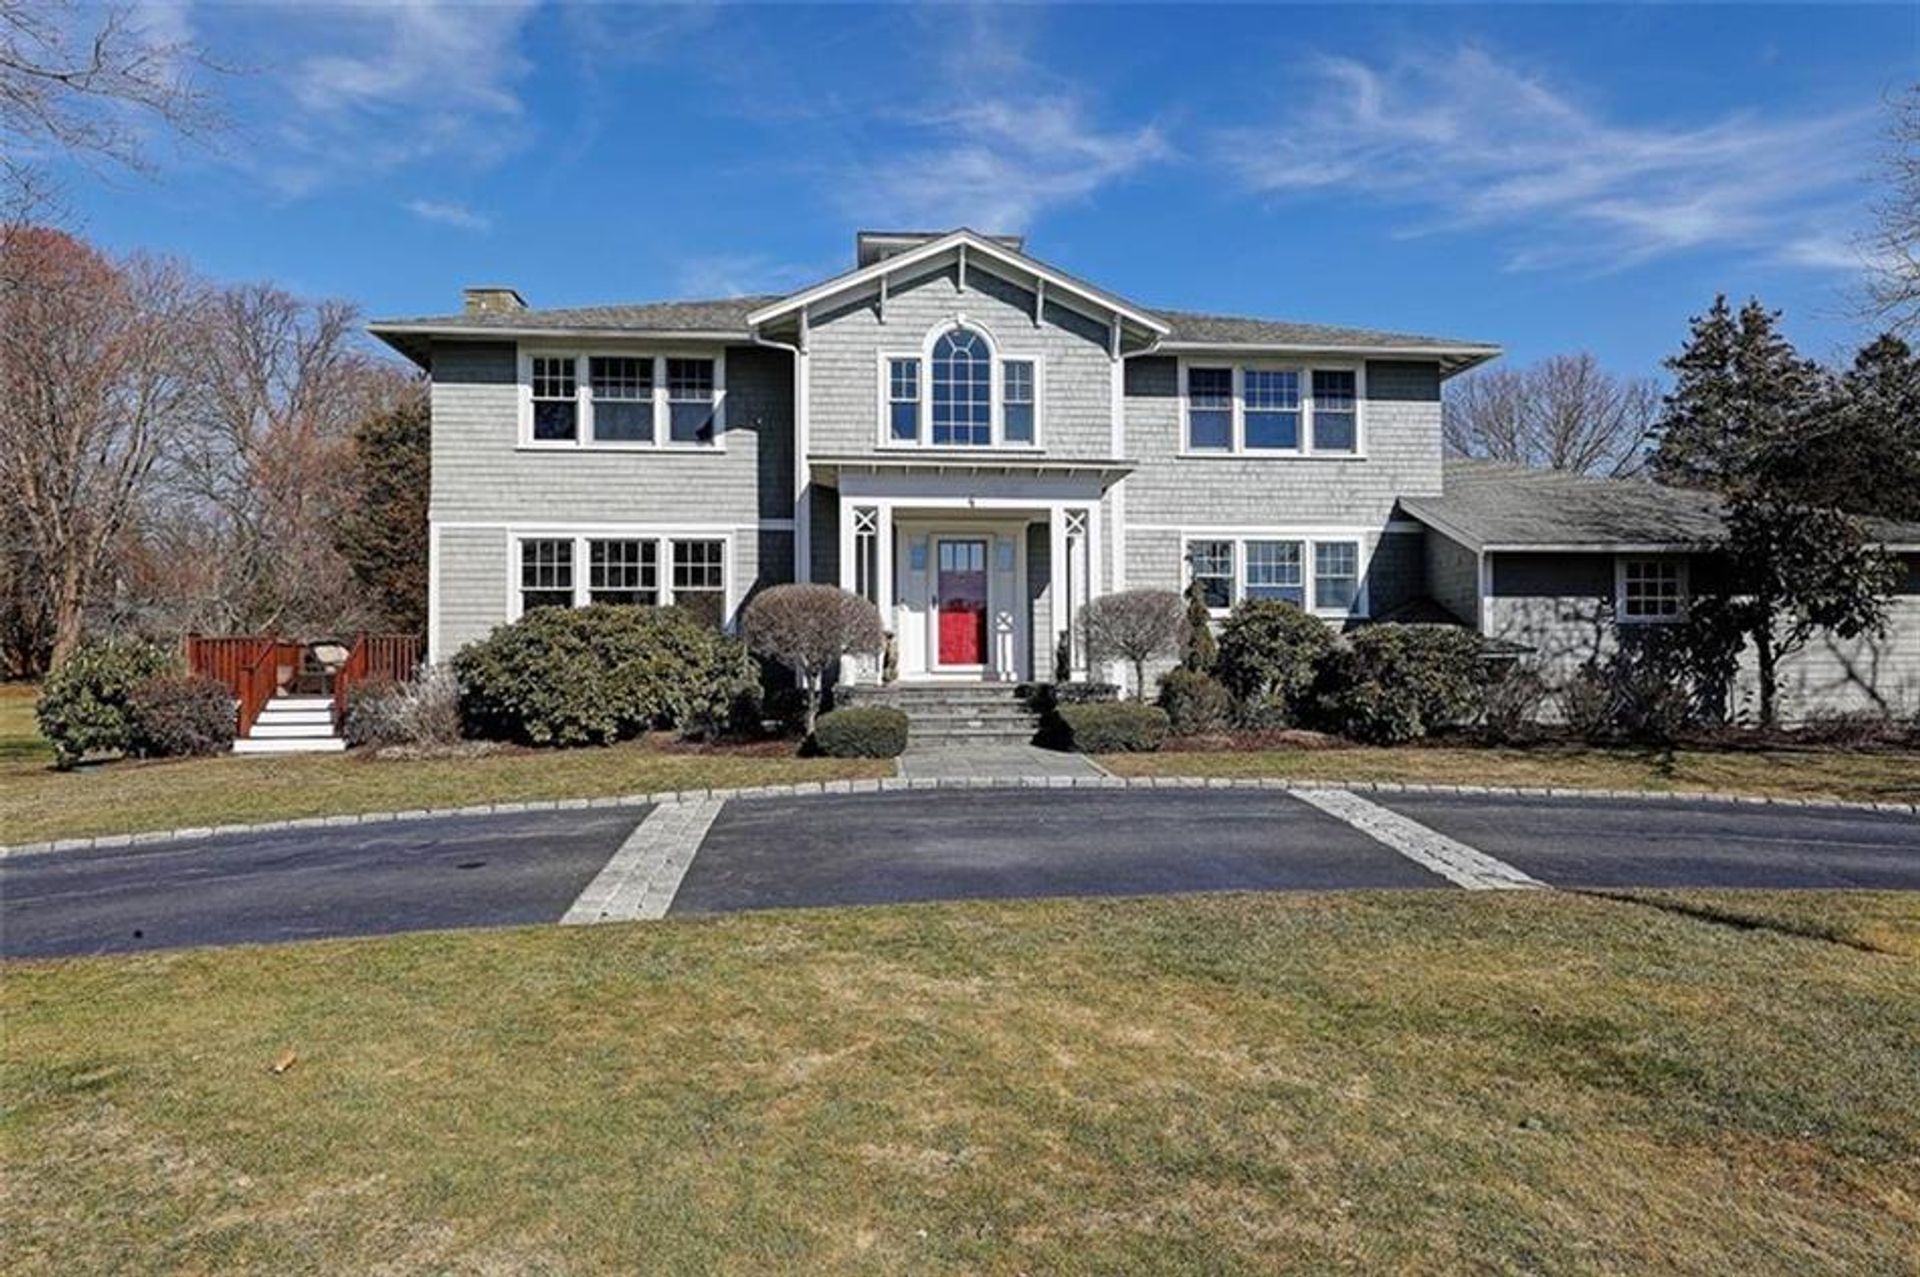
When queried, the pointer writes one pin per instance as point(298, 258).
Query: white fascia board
point(524, 333)
point(973, 243)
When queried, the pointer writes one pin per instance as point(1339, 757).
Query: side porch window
point(575, 571)
point(1651, 590)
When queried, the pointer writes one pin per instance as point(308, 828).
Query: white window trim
point(998, 359)
point(1623, 616)
point(1305, 368)
point(663, 560)
point(583, 440)
point(1308, 539)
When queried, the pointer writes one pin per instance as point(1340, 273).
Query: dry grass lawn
point(1370, 1082)
point(37, 802)
point(1875, 775)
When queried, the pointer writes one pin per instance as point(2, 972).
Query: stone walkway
point(992, 762)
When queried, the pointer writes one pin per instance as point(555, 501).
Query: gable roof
point(972, 242)
point(1491, 505)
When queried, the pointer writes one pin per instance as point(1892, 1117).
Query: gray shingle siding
point(845, 347)
point(1452, 576)
point(480, 472)
point(473, 586)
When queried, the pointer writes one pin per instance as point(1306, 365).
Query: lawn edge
point(891, 784)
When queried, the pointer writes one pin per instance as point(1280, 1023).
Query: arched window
point(962, 389)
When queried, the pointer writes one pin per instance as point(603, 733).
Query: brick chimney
point(493, 299)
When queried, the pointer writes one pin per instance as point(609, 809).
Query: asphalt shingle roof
point(1490, 503)
point(1234, 330)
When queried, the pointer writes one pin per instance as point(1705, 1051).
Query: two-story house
point(976, 440)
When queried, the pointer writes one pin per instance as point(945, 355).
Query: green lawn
point(1878, 775)
point(1370, 1082)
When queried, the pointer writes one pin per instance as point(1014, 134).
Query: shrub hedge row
point(1126, 728)
point(861, 731)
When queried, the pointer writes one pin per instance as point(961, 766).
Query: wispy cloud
point(741, 275)
point(392, 84)
point(1002, 141)
point(448, 214)
point(1471, 141)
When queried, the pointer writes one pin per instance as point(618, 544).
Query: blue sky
point(1553, 179)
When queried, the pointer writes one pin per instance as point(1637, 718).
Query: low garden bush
point(861, 731)
point(1511, 705)
point(179, 716)
point(84, 706)
point(424, 712)
point(1269, 655)
point(1196, 703)
point(589, 676)
point(1387, 684)
point(1125, 728)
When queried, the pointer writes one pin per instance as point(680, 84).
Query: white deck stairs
point(293, 725)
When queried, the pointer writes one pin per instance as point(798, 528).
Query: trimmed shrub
point(1136, 626)
point(1392, 683)
point(424, 712)
point(1199, 651)
point(1195, 702)
point(588, 676)
point(1270, 653)
point(809, 629)
point(180, 715)
point(83, 707)
point(1127, 728)
point(861, 731)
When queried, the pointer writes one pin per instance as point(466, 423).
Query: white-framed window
point(1016, 401)
point(546, 573)
point(903, 399)
point(554, 383)
point(623, 570)
point(1650, 590)
point(623, 399)
point(1320, 572)
point(1211, 565)
point(1265, 408)
point(557, 568)
point(959, 392)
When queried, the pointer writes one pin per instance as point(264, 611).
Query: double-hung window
point(1318, 574)
point(1272, 408)
point(556, 400)
point(1274, 572)
point(1652, 589)
point(1211, 563)
point(903, 400)
point(1336, 410)
point(1210, 409)
point(1016, 401)
point(622, 388)
point(962, 390)
point(623, 571)
point(700, 578)
point(546, 573)
point(690, 400)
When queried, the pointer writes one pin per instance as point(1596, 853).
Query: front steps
point(953, 713)
point(293, 725)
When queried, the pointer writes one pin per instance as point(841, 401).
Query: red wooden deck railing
point(256, 666)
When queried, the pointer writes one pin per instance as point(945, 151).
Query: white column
point(848, 579)
point(884, 567)
point(1057, 576)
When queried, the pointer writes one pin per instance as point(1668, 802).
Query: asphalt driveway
point(303, 884)
point(899, 846)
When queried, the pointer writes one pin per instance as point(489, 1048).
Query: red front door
point(962, 586)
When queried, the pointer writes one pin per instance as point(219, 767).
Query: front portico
point(978, 567)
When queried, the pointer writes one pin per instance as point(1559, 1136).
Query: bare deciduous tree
point(1893, 247)
point(86, 80)
point(1136, 626)
point(97, 371)
point(808, 629)
point(1563, 413)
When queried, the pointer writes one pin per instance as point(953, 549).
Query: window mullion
point(661, 427)
point(1239, 441)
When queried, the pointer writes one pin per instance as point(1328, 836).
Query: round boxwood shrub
point(1127, 728)
point(1195, 702)
point(1392, 683)
point(180, 715)
point(1269, 655)
point(861, 731)
point(589, 676)
point(83, 707)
